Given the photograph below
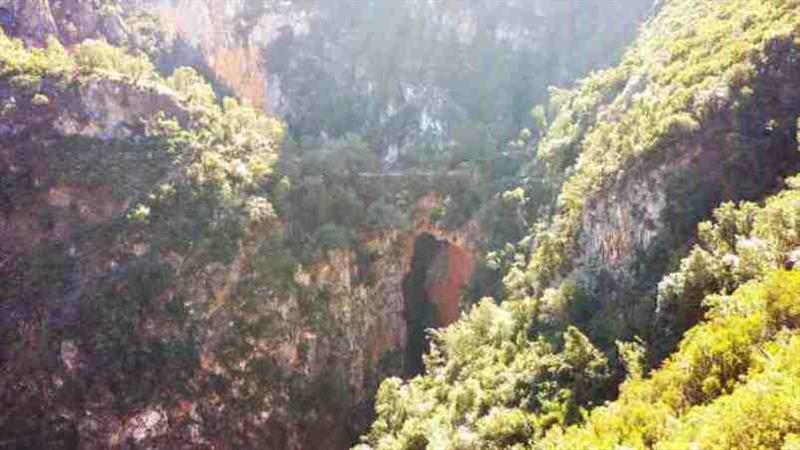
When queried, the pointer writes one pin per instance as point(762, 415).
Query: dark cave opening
point(420, 311)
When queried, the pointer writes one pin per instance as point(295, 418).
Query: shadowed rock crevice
point(432, 293)
point(420, 312)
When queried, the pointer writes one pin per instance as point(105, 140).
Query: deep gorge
point(407, 224)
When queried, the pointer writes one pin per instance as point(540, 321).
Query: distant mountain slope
point(422, 81)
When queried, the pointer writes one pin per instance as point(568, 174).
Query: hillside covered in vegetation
point(399, 224)
point(620, 281)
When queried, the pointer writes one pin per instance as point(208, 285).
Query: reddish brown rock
point(453, 268)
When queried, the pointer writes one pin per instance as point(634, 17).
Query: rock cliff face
point(630, 199)
point(637, 226)
point(362, 339)
point(410, 74)
point(72, 21)
point(451, 272)
point(44, 211)
point(372, 305)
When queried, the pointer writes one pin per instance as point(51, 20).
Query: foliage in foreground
point(490, 384)
point(732, 384)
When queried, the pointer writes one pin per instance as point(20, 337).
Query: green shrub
point(331, 236)
point(730, 384)
point(383, 214)
point(99, 57)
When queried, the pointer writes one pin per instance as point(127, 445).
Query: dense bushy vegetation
point(741, 244)
point(507, 375)
point(731, 384)
point(479, 372)
point(494, 379)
